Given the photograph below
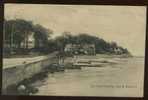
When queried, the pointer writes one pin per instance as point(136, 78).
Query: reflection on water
point(122, 79)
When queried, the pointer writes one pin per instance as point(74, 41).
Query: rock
point(21, 88)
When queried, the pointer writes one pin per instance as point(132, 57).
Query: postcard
point(74, 50)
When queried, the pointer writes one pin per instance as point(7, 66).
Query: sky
point(126, 25)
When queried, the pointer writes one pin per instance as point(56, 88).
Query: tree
point(101, 46)
point(17, 30)
point(25, 28)
point(41, 36)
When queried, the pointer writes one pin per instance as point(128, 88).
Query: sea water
point(123, 79)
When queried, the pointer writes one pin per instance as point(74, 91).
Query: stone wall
point(18, 73)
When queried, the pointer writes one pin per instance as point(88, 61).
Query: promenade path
point(11, 62)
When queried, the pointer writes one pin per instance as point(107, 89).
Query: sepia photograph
point(73, 50)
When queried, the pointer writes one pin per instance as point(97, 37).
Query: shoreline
point(24, 87)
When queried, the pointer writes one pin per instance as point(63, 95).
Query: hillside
point(101, 46)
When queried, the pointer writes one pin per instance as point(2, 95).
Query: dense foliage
point(17, 32)
point(101, 46)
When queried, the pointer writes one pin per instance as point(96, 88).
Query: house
point(75, 49)
point(11, 47)
point(118, 51)
point(31, 42)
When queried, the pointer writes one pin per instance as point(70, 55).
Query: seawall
point(14, 75)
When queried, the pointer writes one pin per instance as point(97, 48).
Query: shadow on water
point(25, 87)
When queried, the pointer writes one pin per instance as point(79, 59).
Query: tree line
point(17, 32)
point(101, 46)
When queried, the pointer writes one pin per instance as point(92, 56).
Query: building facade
point(80, 49)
